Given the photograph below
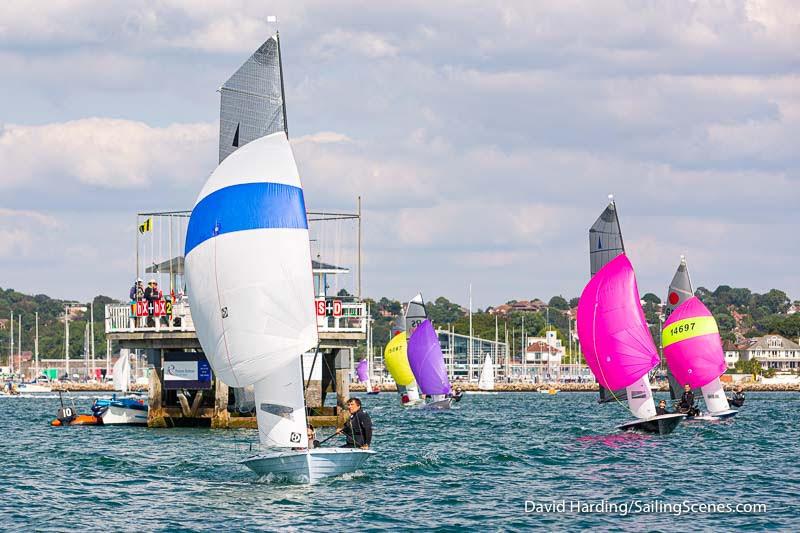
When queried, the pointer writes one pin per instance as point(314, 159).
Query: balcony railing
point(121, 318)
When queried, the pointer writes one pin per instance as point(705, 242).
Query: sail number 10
point(689, 326)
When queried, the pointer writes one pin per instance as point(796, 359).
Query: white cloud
point(103, 152)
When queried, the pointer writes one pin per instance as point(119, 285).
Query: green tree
point(651, 298)
point(558, 302)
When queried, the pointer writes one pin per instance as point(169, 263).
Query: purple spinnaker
point(362, 371)
point(426, 360)
point(612, 328)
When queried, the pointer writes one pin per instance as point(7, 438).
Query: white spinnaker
point(251, 292)
point(281, 407)
point(122, 372)
point(412, 391)
point(486, 381)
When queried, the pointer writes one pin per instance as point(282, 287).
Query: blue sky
point(483, 137)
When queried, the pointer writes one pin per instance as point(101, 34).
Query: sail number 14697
point(689, 326)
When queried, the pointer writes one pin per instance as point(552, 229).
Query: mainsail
point(415, 314)
point(605, 239)
point(121, 373)
point(252, 102)
point(248, 271)
point(427, 361)
point(605, 243)
point(486, 381)
point(615, 337)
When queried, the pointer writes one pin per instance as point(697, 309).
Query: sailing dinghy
point(362, 371)
point(427, 363)
point(486, 378)
point(123, 410)
point(693, 347)
point(614, 335)
point(395, 358)
point(248, 271)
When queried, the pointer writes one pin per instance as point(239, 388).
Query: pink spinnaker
point(697, 360)
point(612, 328)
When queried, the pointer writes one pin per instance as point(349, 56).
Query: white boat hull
point(28, 388)
point(120, 415)
point(305, 466)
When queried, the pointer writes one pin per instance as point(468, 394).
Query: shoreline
point(467, 387)
point(584, 387)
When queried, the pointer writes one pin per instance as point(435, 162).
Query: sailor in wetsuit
point(358, 429)
point(686, 404)
point(661, 409)
point(737, 398)
point(458, 394)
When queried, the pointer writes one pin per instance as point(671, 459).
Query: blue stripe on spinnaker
point(244, 207)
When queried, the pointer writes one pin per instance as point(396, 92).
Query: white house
point(773, 351)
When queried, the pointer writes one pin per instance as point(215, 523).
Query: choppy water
point(473, 467)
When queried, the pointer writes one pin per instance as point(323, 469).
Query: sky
point(483, 137)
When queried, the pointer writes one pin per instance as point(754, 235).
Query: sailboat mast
point(19, 344)
point(283, 92)
point(11, 345)
point(470, 365)
point(616, 218)
point(36, 346)
point(66, 339)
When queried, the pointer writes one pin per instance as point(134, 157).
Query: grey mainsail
point(415, 313)
point(252, 102)
point(680, 290)
point(605, 239)
point(605, 243)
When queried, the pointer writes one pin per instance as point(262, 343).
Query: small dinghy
point(427, 363)
point(613, 331)
point(123, 410)
point(248, 270)
point(307, 466)
point(693, 348)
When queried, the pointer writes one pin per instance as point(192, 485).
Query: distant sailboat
point(362, 371)
point(113, 411)
point(486, 378)
point(427, 363)
point(395, 358)
point(415, 314)
point(615, 337)
point(693, 347)
point(248, 271)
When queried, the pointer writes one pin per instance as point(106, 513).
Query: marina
point(263, 337)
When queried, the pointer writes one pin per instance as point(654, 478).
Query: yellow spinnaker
point(396, 359)
point(688, 328)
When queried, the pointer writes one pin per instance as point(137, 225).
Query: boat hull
point(121, 415)
point(659, 425)
point(33, 388)
point(122, 411)
point(441, 405)
point(307, 466)
point(713, 417)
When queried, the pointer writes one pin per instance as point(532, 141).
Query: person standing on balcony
point(137, 291)
point(152, 295)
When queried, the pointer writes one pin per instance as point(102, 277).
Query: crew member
point(686, 404)
point(737, 398)
point(358, 429)
point(661, 409)
point(458, 394)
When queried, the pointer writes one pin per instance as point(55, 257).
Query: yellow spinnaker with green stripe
point(395, 356)
point(688, 328)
